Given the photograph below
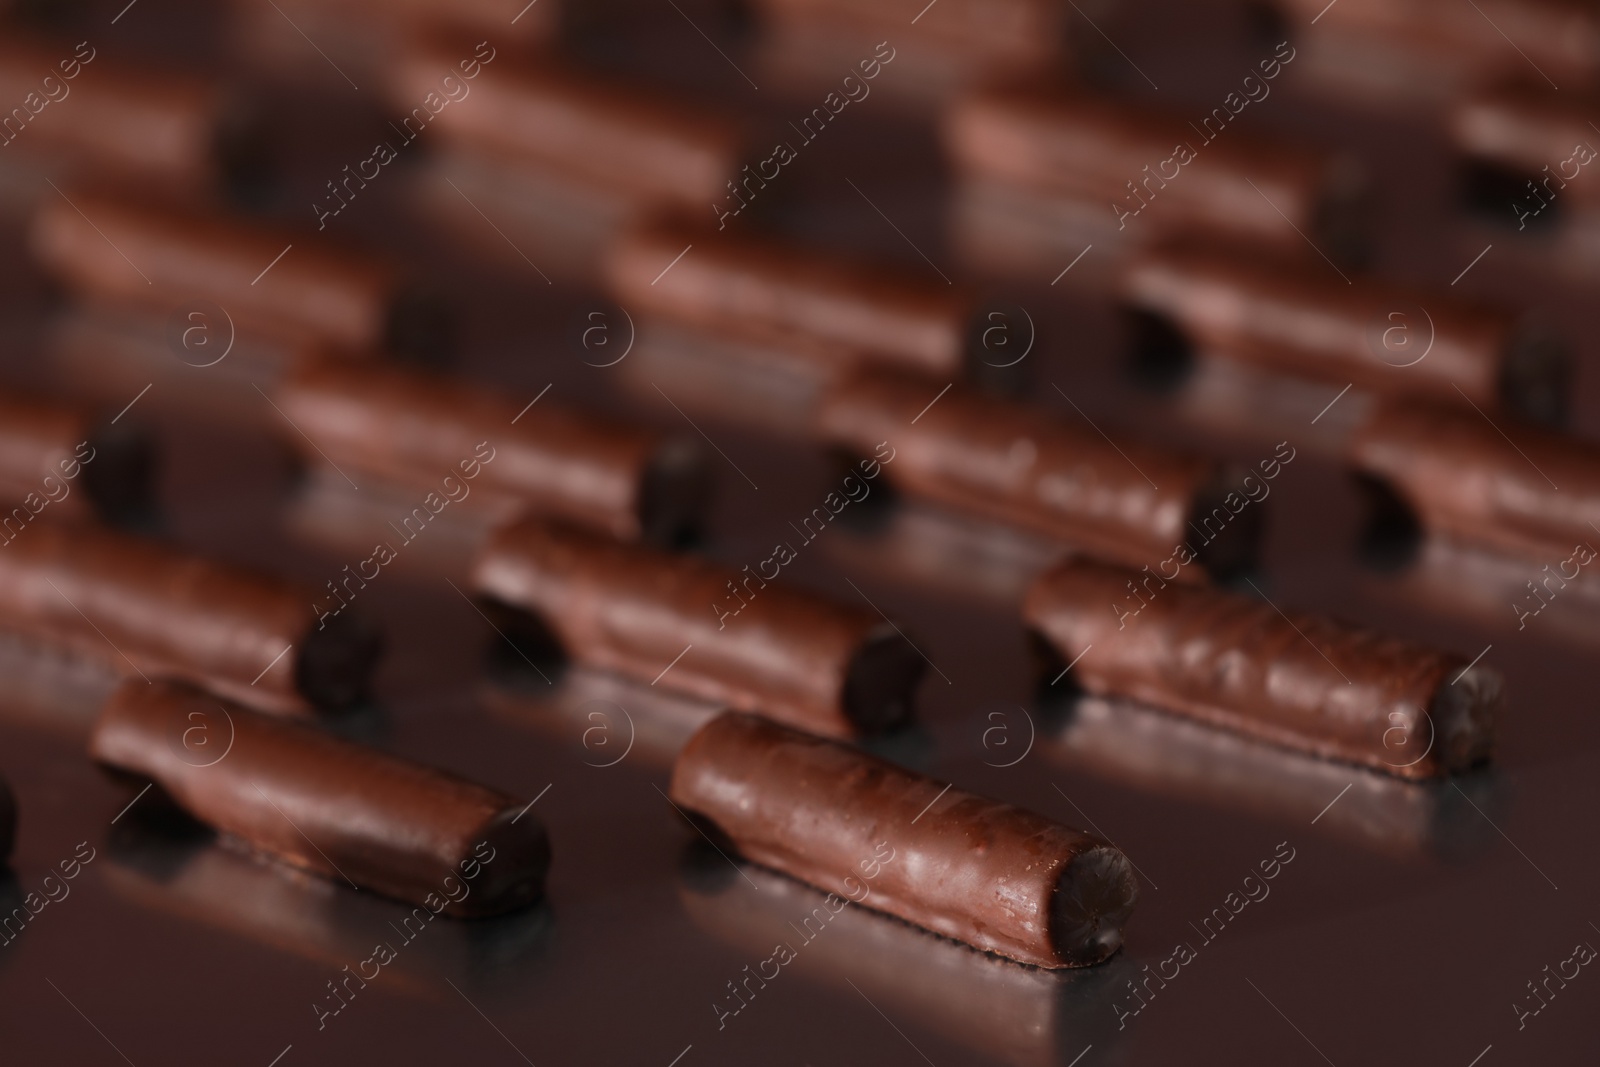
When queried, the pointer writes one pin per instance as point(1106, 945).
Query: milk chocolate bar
point(997, 877)
point(419, 430)
point(325, 804)
point(1190, 177)
point(735, 636)
point(768, 291)
point(1013, 464)
point(279, 284)
point(64, 458)
point(150, 609)
point(1492, 484)
point(1234, 661)
point(1380, 337)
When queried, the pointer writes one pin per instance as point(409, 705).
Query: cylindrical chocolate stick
point(631, 141)
point(144, 607)
point(48, 450)
point(711, 631)
point(1234, 661)
point(994, 876)
point(417, 430)
point(1132, 159)
point(766, 291)
point(1461, 44)
point(325, 804)
point(1525, 158)
point(1381, 337)
point(275, 283)
point(1003, 461)
point(1495, 485)
point(134, 121)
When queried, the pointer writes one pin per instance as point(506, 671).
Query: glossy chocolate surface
point(1526, 491)
point(1005, 461)
point(324, 804)
point(316, 293)
point(707, 630)
point(1098, 150)
point(768, 291)
point(430, 433)
point(1307, 322)
point(533, 111)
point(1235, 661)
point(992, 875)
point(148, 608)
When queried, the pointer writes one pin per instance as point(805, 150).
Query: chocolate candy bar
point(1300, 681)
point(48, 450)
point(630, 141)
point(997, 877)
point(325, 804)
point(313, 293)
point(1426, 52)
point(769, 292)
point(1009, 463)
point(1192, 178)
point(132, 121)
point(1301, 321)
point(429, 433)
point(734, 636)
point(1524, 157)
point(140, 606)
point(1493, 484)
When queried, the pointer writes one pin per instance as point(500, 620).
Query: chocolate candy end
point(336, 660)
point(1094, 896)
point(1234, 535)
point(120, 479)
point(880, 681)
point(1464, 714)
point(673, 494)
point(1160, 356)
point(513, 878)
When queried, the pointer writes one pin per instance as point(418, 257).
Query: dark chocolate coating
point(768, 291)
point(997, 877)
point(828, 667)
point(632, 141)
point(1298, 680)
point(1521, 152)
point(1007, 462)
point(141, 606)
point(316, 293)
point(1090, 147)
point(324, 804)
point(1460, 476)
point(1304, 321)
point(413, 429)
